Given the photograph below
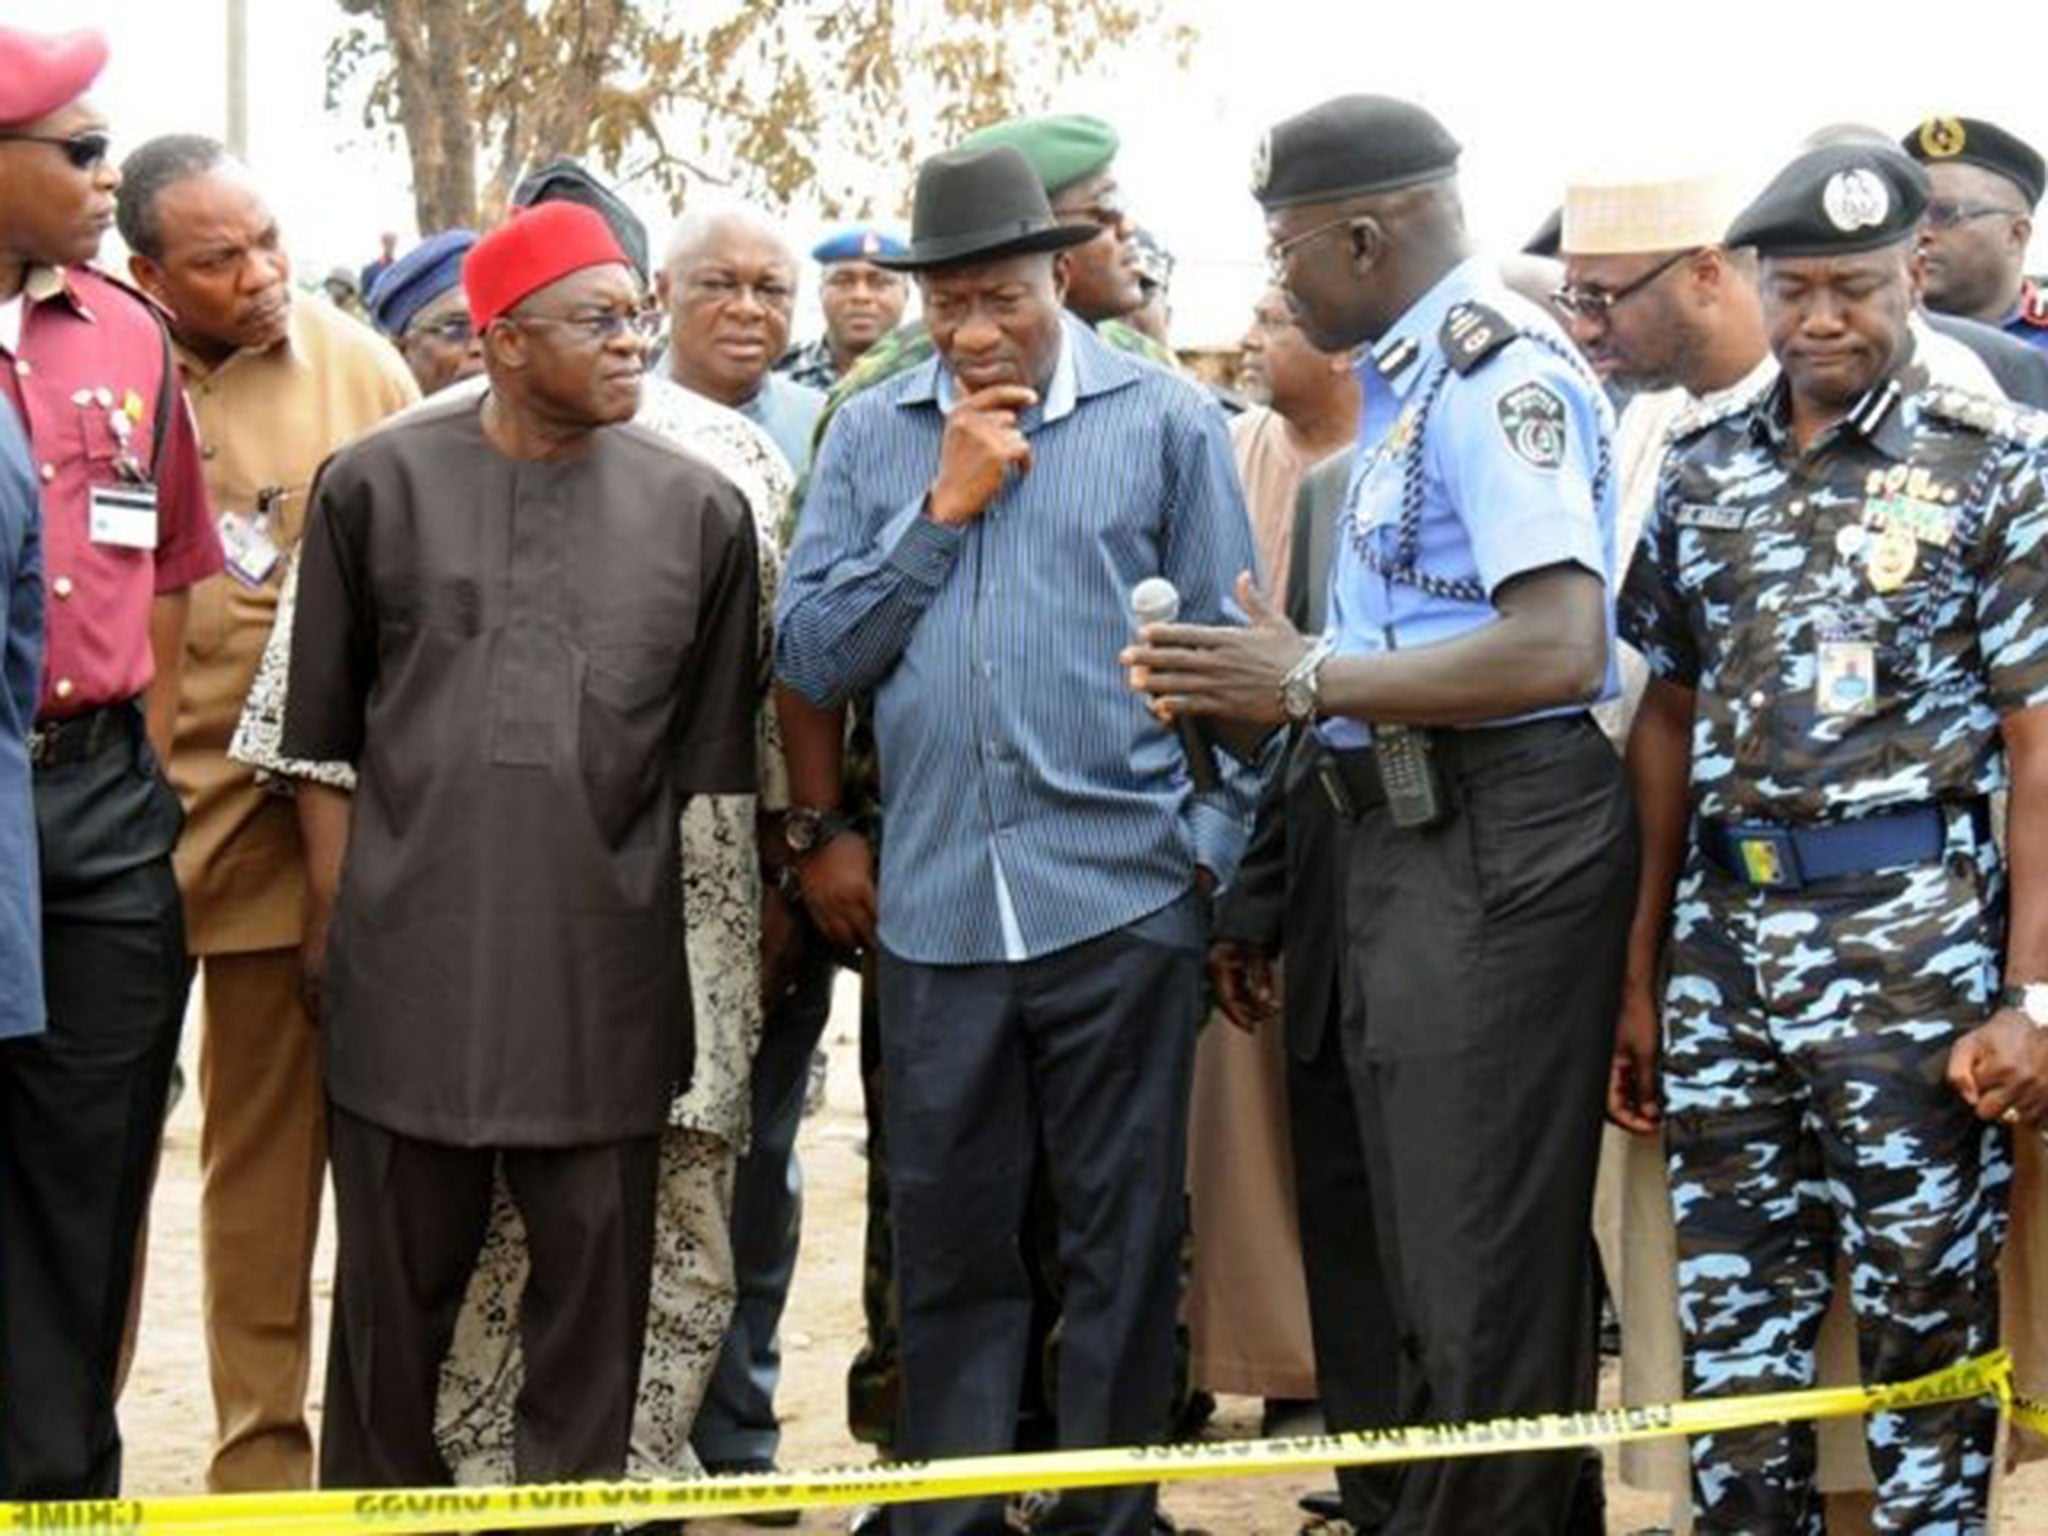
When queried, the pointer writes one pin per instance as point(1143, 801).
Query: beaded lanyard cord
point(1408, 535)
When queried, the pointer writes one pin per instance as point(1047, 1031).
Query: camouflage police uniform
point(1854, 621)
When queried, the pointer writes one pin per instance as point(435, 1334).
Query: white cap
point(1617, 215)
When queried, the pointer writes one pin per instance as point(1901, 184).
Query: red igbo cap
point(533, 248)
point(40, 74)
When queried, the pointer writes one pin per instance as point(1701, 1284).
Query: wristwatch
point(806, 829)
point(2031, 998)
point(1299, 689)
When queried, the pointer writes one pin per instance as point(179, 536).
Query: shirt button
point(65, 688)
point(1796, 507)
point(48, 472)
point(206, 451)
point(62, 587)
point(22, 368)
point(1759, 699)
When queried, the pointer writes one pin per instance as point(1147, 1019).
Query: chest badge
point(1891, 559)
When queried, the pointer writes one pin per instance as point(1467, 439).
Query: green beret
point(1062, 149)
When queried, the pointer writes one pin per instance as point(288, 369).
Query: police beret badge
point(1943, 137)
point(1262, 163)
point(1856, 199)
point(1532, 418)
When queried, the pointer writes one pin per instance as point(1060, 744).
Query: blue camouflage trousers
point(1806, 1041)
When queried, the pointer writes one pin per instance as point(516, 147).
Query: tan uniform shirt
point(267, 420)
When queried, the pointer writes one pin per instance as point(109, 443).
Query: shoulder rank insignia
point(1980, 413)
point(1472, 333)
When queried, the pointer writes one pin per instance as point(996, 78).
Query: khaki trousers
point(262, 1160)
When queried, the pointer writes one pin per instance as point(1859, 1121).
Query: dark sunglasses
point(84, 151)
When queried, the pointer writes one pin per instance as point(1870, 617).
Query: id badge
point(123, 516)
point(1845, 670)
point(251, 553)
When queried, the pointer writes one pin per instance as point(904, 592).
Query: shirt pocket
point(629, 676)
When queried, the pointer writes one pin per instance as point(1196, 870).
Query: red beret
point(40, 74)
point(533, 248)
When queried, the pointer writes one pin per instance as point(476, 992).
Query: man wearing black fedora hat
point(973, 531)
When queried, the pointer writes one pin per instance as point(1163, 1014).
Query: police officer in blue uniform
point(1490, 843)
point(1841, 598)
point(21, 675)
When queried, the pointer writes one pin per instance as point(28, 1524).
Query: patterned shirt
point(810, 364)
point(1007, 737)
point(1853, 619)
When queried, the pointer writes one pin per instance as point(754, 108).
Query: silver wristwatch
point(1300, 689)
point(2031, 998)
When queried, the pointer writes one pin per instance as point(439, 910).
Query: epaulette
point(1472, 333)
point(2018, 424)
point(1697, 418)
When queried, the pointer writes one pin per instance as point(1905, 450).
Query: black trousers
point(1350, 1311)
point(82, 1112)
point(1482, 982)
point(410, 1216)
point(1084, 1056)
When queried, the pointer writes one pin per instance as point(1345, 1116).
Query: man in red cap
point(128, 531)
point(531, 627)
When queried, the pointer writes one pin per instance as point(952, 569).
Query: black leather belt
point(1785, 856)
point(1352, 784)
point(52, 743)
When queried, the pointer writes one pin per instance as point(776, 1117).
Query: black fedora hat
point(978, 205)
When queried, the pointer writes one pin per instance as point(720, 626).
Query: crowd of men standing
point(513, 725)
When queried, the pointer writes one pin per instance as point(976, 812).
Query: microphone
point(1155, 600)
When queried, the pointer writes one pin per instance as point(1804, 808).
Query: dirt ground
point(167, 1413)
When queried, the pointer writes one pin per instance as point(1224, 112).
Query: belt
point(1352, 784)
point(1779, 856)
point(52, 743)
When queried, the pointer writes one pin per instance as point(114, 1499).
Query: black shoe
point(1323, 1503)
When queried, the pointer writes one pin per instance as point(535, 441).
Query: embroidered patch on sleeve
point(1532, 417)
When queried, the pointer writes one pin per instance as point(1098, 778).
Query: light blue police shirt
point(1513, 476)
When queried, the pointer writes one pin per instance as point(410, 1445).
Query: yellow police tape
point(391, 1512)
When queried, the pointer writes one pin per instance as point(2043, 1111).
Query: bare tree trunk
point(430, 60)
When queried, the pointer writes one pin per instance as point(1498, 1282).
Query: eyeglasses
point(1598, 303)
point(1280, 252)
point(602, 328)
point(84, 151)
point(1946, 213)
point(456, 330)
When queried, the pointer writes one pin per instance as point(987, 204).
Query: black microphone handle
point(1195, 747)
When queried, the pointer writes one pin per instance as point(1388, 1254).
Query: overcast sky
point(1534, 93)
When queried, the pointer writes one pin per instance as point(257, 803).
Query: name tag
point(251, 553)
point(1694, 514)
point(123, 516)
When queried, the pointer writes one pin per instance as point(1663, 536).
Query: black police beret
point(1972, 141)
point(1835, 201)
point(1349, 147)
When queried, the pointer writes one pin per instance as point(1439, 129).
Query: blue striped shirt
point(1011, 749)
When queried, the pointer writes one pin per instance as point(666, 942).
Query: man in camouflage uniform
point(1841, 599)
point(1074, 156)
